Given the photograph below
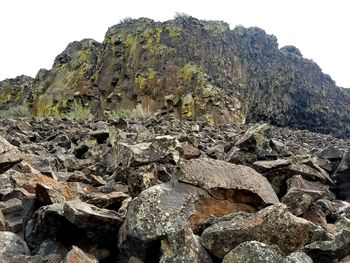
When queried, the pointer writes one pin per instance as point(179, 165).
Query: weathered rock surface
point(342, 177)
point(192, 68)
point(9, 155)
point(69, 191)
point(257, 252)
point(11, 245)
point(274, 225)
point(76, 255)
point(212, 174)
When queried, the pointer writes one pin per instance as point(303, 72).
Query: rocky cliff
point(192, 68)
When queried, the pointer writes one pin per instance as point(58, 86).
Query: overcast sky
point(33, 32)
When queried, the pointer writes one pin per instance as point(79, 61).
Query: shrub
point(20, 111)
point(79, 112)
point(137, 113)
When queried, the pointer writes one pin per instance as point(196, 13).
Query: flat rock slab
point(213, 174)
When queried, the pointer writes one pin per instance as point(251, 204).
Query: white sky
point(33, 32)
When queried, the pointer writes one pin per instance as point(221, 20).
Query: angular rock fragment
point(11, 245)
point(302, 193)
point(162, 149)
point(73, 222)
point(204, 188)
point(9, 155)
point(76, 255)
point(184, 247)
point(274, 225)
point(253, 252)
point(342, 178)
point(263, 166)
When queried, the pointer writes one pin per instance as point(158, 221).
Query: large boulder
point(203, 188)
point(9, 155)
point(302, 193)
point(274, 225)
point(161, 149)
point(241, 181)
point(72, 223)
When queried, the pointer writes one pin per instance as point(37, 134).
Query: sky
point(34, 32)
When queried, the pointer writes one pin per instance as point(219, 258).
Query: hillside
point(194, 69)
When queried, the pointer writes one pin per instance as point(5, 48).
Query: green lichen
point(131, 43)
point(153, 44)
point(191, 72)
point(5, 97)
point(142, 80)
point(240, 30)
point(216, 28)
point(174, 31)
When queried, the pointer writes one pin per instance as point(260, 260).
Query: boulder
point(162, 149)
point(342, 178)
point(256, 139)
point(9, 155)
point(253, 252)
point(169, 208)
point(11, 245)
point(328, 251)
point(241, 181)
point(274, 225)
point(302, 193)
point(71, 223)
point(183, 246)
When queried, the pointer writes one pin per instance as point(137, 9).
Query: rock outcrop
point(191, 68)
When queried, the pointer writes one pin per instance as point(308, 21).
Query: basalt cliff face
point(194, 69)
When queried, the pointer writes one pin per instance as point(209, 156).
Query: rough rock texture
point(155, 205)
point(9, 155)
point(11, 245)
point(272, 225)
point(254, 251)
point(193, 68)
point(211, 175)
point(76, 255)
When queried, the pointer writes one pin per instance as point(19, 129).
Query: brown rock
point(169, 208)
point(76, 255)
point(213, 174)
point(190, 152)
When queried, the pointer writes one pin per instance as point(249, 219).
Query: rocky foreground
point(169, 191)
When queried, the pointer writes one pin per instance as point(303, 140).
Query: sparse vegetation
point(141, 80)
point(79, 112)
point(137, 113)
point(20, 111)
point(216, 28)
